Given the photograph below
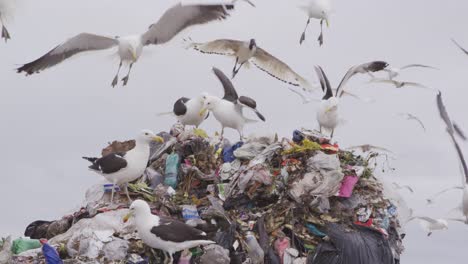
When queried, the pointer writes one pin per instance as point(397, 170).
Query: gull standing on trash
point(5, 6)
point(318, 9)
point(228, 110)
point(430, 224)
point(327, 115)
point(171, 23)
point(163, 233)
point(464, 167)
point(122, 168)
point(248, 51)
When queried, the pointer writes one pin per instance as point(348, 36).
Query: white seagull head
point(146, 136)
point(138, 208)
point(209, 103)
point(332, 104)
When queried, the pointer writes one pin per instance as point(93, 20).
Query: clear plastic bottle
point(256, 253)
point(172, 168)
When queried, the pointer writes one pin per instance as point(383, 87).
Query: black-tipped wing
point(79, 43)
point(108, 164)
point(250, 103)
point(230, 93)
point(278, 69)
point(227, 47)
point(179, 17)
point(418, 66)
point(175, 231)
point(369, 67)
point(459, 131)
point(460, 47)
point(179, 106)
point(444, 114)
point(324, 83)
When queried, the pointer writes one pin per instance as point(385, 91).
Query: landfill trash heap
point(265, 200)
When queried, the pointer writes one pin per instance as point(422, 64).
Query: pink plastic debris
point(347, 186)
point(281, 244)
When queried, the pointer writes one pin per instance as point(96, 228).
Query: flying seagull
point(122, 168)
point(214, 2)
point(366, 148)
point(430, 224)
point(163, 233)
point(409, 116)
point(394, 72)
point(172, 22)
point(431, 199)
point(399, 84)
point(464, 167)
point(460, 47)
point(188, 110)
point(399, 187)
point(228, 110)
point(4, 7)
point(327, 115)
point(248, 51)
point(318, 9)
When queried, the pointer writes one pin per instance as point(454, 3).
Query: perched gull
point(163, 233)
point(327, 115)
point(228, 110)
point(4, 8)
point(172, 22)
point(430, 225)
point(399, 187)
point(399, 84)
point(460, 47)
point(122, 168)
point(248, 51)
point(318, 9)
point(188, 110)
point(394, 72)
point(464, 167)
point(409, 116)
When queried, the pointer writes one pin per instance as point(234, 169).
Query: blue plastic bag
point(228, 153)
point(50, 254)
point(172, 169)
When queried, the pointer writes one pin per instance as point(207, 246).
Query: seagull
point(430, 225)
point(431, 199)
point(327, 115)
point(122, 168)
point(172, 22)
point(228, 110)
point(318, 9)
point(394, 72)
point(399, 187)
point(3, 12)
point(213, 2)
point(399, 84)
point(248, 51)
point(460, 47)
point(187, 111)
point(163, 233)
point(409, 116)
point(464, 167)
point(366, 148)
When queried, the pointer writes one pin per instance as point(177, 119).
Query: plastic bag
point(116, 249)
point(23, 244)
point(5, 253)
point(215, 254)
point(172, 168)
point(50, 254)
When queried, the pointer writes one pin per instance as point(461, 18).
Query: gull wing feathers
point(179, 106)
point(424, 218)
point(227, 47)
point(230, 93)
point(418, 66)
point(368, 67)
point(432, 198)
point(278, 69)
point(79, 43)
point(460, 47)
point(180, 17)
point(250, 103)
point(324, 83)
point(459, 132)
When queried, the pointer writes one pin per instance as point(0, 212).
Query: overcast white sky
point(49, 121)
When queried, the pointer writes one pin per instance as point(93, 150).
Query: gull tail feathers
point(94, 166)
point(165, 114)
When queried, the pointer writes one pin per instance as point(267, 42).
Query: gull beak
point(126, 217)
point(328, 109)
point(203, 112)
point(158, 139)
point(327, 22)
point(133, 52)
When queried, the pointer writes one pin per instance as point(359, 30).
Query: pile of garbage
point(265, 200)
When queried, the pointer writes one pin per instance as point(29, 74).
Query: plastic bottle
point(172, 168)
point(256, 253)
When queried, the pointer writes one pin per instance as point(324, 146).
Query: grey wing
point(459, 132)
point(414, 84)
point(444, 114)
point(227, 47)
point(413, 117)
point(324, 83)
point(379, 148)
point(418, 66)
point(373, 66)
point(424, 218)
point(179, 106)
point(175, 231)
point(230, 93)
point(462, 160)
point(432, 198)
point(179, 17)
point(250, 103)
point(278, 69)
point(79, 43)
point(460, 47)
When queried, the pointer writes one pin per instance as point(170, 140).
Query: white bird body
point(245, 53)
point(327, 114)
point(130, 48)
point(430, 224)
point(319, 9)
point(228, 114)
point(192, 116)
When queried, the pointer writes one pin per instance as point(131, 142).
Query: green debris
point(307, 145)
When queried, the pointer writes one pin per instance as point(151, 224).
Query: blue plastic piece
point(228, 153)
point(297, 136)
point(172, 169)
point(50, 254)
point(313, 229)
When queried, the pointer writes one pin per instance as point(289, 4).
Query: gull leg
point(333, 131)
point(125, 79)
point(5, 33)
point(235, 64)
point(320, 129)
point(320, 38)
point(126, 192)
point(303, 33)
point(236, 71)
point(112, 195)
point(116, 78)
point(222, 133)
